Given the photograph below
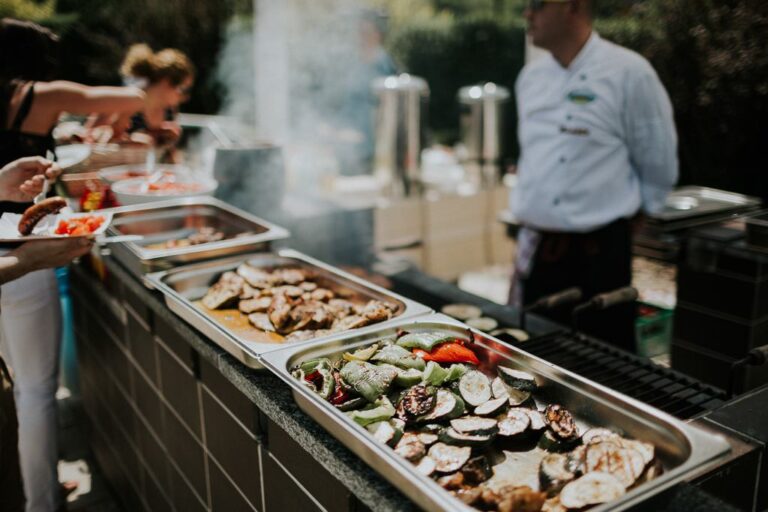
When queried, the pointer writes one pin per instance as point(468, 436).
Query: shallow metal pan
point(168, 220)
point(694, 201)
point(683, 449)
point(184, 285)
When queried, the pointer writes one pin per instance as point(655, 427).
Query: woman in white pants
point(30, 321)
point(30, 106)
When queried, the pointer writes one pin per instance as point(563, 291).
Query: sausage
point(36, 212)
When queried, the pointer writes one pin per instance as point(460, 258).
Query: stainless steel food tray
point(167, 220)
point(186, 284)
point(695, 201)
point(683, 449)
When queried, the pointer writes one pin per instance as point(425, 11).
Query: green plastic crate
point(653, 329)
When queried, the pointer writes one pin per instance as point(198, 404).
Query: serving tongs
point(46, 182)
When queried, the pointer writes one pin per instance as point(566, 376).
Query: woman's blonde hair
point(170, 64)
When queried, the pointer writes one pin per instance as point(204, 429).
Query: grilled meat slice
point(205, 235)
point(249, 292)
point(261, 321)
point(349, 322)
point(291, 276)
point(255, 277)
point(310, 315)
point(297, 336)
point(341, 308)
point(322, 295)
point(376, 311)
point(225, 292)
point(279, 312)
point(292, 291)
point(308, 286)
point(259, 305)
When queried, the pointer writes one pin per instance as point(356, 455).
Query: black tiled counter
point(177, 424)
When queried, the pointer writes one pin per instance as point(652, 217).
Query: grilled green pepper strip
point(424, 340)
point(398, 356)
point(369, 380)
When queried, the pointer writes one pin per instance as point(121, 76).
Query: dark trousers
point(596, 262)
point(11, 490)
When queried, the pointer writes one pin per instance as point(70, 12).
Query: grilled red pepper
point(453, 352)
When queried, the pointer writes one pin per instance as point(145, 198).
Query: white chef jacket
point(597, 140)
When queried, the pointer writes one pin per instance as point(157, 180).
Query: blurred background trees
point(712, 55)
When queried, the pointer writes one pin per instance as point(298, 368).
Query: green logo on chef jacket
point(581, 96)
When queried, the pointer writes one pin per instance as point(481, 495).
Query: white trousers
point(30, 325)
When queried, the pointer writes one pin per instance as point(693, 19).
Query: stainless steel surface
point(167, 220)
point(682, 448)
point(184, 285)
point(693, 201)
point(399, 127)
point(482, 131)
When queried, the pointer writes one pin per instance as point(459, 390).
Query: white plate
point(9, 226)
point(72, 154)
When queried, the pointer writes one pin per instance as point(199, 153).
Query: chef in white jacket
point(598, 149)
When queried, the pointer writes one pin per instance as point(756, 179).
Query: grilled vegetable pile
point(429, 397)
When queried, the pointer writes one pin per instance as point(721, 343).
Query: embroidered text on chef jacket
point(597, 140)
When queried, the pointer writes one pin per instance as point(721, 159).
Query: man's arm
point(651, 137)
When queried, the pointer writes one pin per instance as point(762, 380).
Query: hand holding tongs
point(46, 182)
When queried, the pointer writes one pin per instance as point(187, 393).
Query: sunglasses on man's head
point(537, 5)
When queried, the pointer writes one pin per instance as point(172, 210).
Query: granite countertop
point(274, 399)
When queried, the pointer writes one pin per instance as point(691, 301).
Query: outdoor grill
point(668, 390)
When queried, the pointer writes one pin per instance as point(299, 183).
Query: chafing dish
point(682, 449)
point(185, 285)
point(178, 218)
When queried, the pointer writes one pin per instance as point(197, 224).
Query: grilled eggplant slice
point(561, 421)
point(416, 401)
point(608, 457)
point(503, 390)
point(554, 473)
point(591, 489)
point(477, 470)
point(447, 406)
point(475, 388)
point(491, 407)
point(410, 447)
point(554, 443)
point(426, 466)
point(515, 423)
point(451, 436)
point(598, 435)
point(427, 438)
point(449, 458)
point(369, 380)
point(522, 381)
point(538, 421)
point(475, 425)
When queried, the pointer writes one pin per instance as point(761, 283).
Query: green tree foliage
point(95, 35)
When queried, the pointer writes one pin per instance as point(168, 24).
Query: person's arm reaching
point(651, 137)
point(54, 98)
point(41, 254)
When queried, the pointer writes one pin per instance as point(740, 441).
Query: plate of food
point(50, 219)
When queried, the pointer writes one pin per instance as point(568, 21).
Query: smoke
point(293, 73)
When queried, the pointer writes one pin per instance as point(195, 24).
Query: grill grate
point(668, 390)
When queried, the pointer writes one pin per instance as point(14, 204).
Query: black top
point(14, 143)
